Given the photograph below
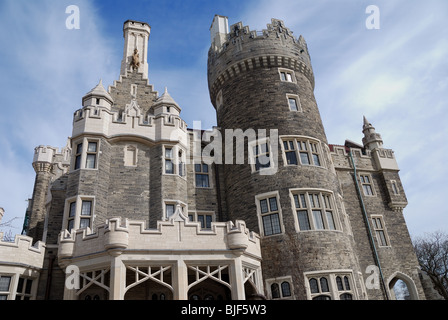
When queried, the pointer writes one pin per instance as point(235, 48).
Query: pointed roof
point(98, 91)
point(166, 99)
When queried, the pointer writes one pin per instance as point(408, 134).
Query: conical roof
point(166, 99)
point(98, 91)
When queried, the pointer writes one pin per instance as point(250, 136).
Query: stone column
point(180, 281)
point(117, 279)
point(237, 280)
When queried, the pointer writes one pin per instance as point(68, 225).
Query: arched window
point(346, 296)
point(324, 285)
point(286, 289)
point(322, 297)
point(313, 286)
point(339, 283)
point(275, 291)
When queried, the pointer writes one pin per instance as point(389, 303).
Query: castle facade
point(137, 206)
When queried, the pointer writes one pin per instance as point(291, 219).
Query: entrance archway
point(402, 287)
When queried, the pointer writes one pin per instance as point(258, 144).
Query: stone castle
point(137, 206)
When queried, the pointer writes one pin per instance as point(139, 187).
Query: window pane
point(262, 162)
point(20, 285)
point(84, 223)
point(168, 153)
point(304, 158)
point(330, 220)
point(288, 77)
point(169, 210)
point(293, 104)
point(313, 286)
point(79, 148)
point(29, 283)
point(304, 223)
point(271, 224)
point(324, 285)
point(267, 226)
point(339, 283)
point(302, 200)
point(367, 189)
point(72, 209)
point(197, 168)
point(77, 162)
point(291, 157)
point(283, 76)
point(90, 162)
point(316, 159)
point(205, 168)
point(91, 147)
point(286, 290)
point(347, 283)
point(382, 237)
point(169, 167)
point(273, 204)
point(208, 222)
point(264, 206)
point(202, 181)
point(86, 209)
point(71, 224)
point(4, 283)
point(275, 291)
point(296, 201)
point(318, 222)
point(201, 220)
point(346, 296)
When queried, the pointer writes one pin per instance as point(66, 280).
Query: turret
point(371, 139)
point(98, 97)
point(166, 104)
point(136, 35)
point(264, 80)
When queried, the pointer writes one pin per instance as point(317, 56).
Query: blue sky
point(396, 76)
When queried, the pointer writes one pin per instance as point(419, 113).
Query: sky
point(395, 75)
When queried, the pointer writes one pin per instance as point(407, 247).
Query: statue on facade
point(135, 62)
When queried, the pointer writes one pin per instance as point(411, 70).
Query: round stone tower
point(287, 189)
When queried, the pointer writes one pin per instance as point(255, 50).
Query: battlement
point(22, 251)
point(176, 234)
point(47, 156)
point(365, 159)
point(222, 38)
point(240, 49)
point(130, 121)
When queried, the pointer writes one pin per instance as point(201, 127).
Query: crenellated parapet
point(240, 49)
point(46, 157)
point(178, 234)
point(97, 120)
point(22, 252)
point(365, 159)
